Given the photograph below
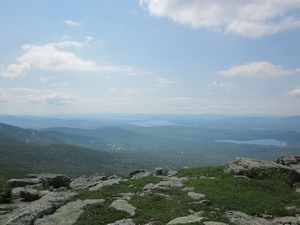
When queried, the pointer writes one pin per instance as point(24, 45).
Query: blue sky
point(150, 56)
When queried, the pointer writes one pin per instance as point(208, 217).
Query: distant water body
point(271, 142)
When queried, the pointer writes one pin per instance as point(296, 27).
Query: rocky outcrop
point(27, 214)
point(283, 163)
point(67, 214)
point(42, 181)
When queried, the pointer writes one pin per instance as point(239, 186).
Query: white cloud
point(161, 82)
point(50, 58)
point(45, 80)
point(14, 70)
point(71, 23)
point(226, 85)
point(253, 18)
point(258, 69)
point(25, 90)
point(53, 99)
point(293, 93)
point(62, 84)
point(3, 95)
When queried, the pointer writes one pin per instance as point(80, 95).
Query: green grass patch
point(101, 213)
point(254, 197)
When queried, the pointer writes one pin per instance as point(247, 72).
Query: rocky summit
point(187, 196)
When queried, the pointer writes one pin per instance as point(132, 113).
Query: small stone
point(196, 196)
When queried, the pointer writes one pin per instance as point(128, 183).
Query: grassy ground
point(260, 195)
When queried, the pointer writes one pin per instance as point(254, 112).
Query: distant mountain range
point(122, 143)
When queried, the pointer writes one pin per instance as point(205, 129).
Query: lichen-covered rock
point(123, 222)
point(290, 220)
point(29, 194)
point(241, 165)
point(196, 196)
point(123, 205)
point(240, 218)
point(87, 181)
point(161, 172)
point(27, 214)
point(187, 220)
point(214, 223)
point(67, 214)
point(105, 183)
point(287, 159)
point(22, 182)
point(55, 180)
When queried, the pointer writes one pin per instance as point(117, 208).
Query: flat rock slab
point(240, 218)
point(287, 220)
point(214, 223)
point(105, 183)
point(27, 214)
point(187, 220)
point(123, 205)
point(123, 222)
point(67, 214)
point(243, 164)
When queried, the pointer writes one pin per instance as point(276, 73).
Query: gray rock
point(29, 194)
point(290, 220)
point(287, 159)
point(161, 172)
point(55, 180)
point(27, 214)
point(214, 223)
point(195, 196)
point(141, 175)
point(187, 219)
point(123, 222)
point(67, 214)
point(23, 182)
point(136, 172)
point(123, 205)
point(241, 165)
point(87, 182)
point(240, 218)
point(188, 189)
point(126, 196)
point(171, 182)
point(105, 183)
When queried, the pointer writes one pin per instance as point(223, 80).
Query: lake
point(271, 142)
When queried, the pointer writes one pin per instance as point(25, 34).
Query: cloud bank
point(258, 69)
point(249, 18)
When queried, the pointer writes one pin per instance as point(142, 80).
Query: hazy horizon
point(150, 57)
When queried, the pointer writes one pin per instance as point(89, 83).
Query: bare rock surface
point(240, 218)
point(196, 196)
point(67, 214)
point(241, 165)
point(87, 181)
point(123, 222)
point(105, 183)
point(27, 214)
point(188, 219)
point(123, 205)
